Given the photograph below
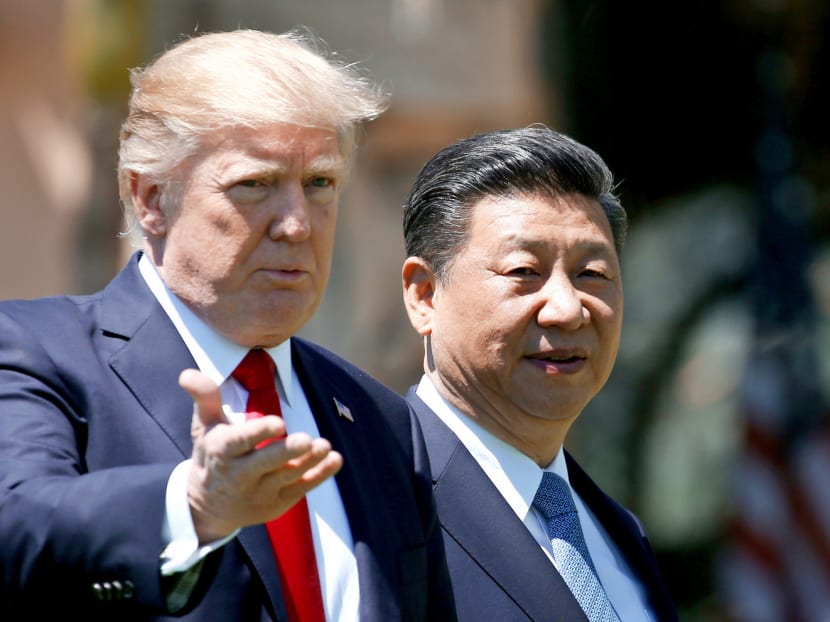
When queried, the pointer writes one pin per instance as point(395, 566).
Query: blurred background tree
point(712, 116)
point(713, 427)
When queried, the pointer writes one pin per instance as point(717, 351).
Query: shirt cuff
point(182, 550)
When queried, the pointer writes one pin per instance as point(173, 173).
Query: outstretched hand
point(234, 481)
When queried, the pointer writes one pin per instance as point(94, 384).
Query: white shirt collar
point(517, 477)
point(215, 355)
point(515, 474)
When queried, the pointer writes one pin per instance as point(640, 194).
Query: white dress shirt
point(517, 477)
point(217, 357)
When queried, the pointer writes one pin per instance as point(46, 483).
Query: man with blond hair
point(168, 447)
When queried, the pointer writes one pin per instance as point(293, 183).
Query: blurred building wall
point(45, 161)
point(664, 434)
point(452, 68)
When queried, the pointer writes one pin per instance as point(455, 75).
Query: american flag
point(775, 566)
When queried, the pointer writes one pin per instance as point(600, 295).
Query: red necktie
point(290, 533)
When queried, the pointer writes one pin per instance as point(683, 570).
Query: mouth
point(286, 270)
point(286, 275)
point(557, 358)
point(558, 362)
point(286, 267)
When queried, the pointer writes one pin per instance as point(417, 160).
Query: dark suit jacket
point(92, 422)
point(497, 569)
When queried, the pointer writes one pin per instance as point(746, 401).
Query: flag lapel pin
point(343, 410)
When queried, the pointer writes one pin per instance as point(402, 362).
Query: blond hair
point(242, 78)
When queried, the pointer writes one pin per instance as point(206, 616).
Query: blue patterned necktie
point(554, 501)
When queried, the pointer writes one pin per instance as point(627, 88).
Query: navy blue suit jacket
point(497, 569)
point(92, 422)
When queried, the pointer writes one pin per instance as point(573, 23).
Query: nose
point(290, 220)
point(561, 304)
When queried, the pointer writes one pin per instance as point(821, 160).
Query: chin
point(567, 412)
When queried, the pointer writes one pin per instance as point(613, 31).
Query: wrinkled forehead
point(274, 147)
point(550, 218)
point(282, 136)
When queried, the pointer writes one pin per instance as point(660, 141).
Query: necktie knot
point(553, 498)
point(256, 371)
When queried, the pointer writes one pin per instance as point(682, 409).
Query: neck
point(538, 438)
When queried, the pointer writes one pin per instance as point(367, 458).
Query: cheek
point(210, 222)
point(209, 250)
point(231, 239)
point(323, 232)
point(610, 332)
point(611, 317)
point(505, 325)
point(476, 338)
point(606, 313)
point(223, 226)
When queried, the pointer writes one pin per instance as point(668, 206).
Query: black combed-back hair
point(533, 160)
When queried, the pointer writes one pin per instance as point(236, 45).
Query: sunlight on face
point(527, 325)
point(250, 237)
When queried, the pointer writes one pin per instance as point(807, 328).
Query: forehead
point(544, 218)
point(278, 146)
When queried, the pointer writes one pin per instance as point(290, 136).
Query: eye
point(321, 182)
point(250, 183)
point(248, 191)
point(522, 271)
point(594, 273)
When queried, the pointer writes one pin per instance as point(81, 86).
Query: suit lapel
point(368, 484)
point(147, 353)
point(474, 514)
point(628, 535)
point(257, 546)
point(342, 427)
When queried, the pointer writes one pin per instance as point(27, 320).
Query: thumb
point(207, 400)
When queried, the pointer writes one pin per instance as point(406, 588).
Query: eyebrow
point(326, 164)
point(597, 247)
point(521, 241)
point(261, 167)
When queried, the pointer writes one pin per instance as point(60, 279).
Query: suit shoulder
point(340, 366)
point(598, 500)
point(50, 317)
point(36, 309)
point(334, 373)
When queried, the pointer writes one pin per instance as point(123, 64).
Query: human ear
point(418, 280)
point(146, 197)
